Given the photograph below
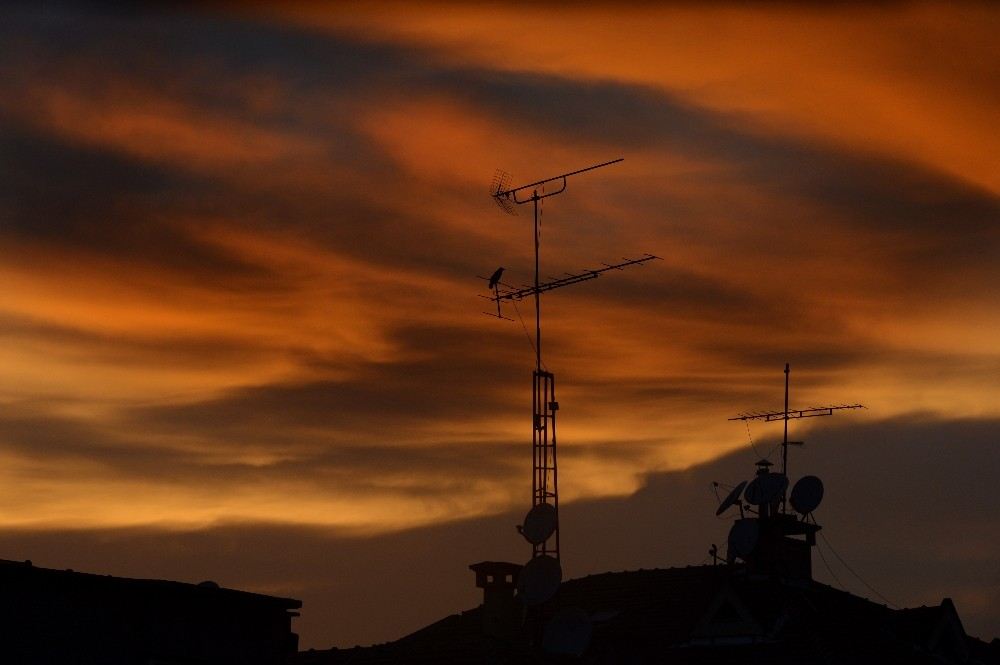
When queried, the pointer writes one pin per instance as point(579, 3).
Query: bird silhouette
point(495, 277)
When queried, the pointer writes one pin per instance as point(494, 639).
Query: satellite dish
point(539, 523)
point(539, 580)
point(731, 498)
point(568, 632)
point(807, 494)
point(743, 537)
point(765, 488)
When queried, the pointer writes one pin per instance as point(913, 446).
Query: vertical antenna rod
point(545, 478)
point(784, 441)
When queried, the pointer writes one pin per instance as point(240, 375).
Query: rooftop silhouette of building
point(63, 617)
point(759, 604)
point(700, 614)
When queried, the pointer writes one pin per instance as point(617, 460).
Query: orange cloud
point(904, 80)
point(273, 280)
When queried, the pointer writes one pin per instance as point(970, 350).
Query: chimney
point(502, 613)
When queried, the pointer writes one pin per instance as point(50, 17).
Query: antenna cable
point(851, 570)
point(829, 569)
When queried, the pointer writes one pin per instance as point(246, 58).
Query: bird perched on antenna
point(495, 278)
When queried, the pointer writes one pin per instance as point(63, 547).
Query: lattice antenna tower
point(791, 414)
point(541, 527)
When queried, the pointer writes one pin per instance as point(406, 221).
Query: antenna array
point(768, 541)
point(519, 293)
point(501, 184)
point(541, 527)
point(792, 414)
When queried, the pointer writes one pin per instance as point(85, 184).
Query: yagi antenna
point(792, 414)
point(501, 184)
point(541, 526)
point(507, 197)
point(502, 191)
point(511, 293)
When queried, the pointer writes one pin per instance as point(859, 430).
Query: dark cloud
point(842, 351)
point(947, 225)
point(100, 202)
point(374, 468)
point(122, 350)
point(866, 193)
point(909, 505)
point(447, 375)
point(681, 293)
point(935, 236)
point(365, 467)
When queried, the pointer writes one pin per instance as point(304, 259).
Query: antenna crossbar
point(791, 414)
point(812, 412)
point(525, 291)
point(503, 194)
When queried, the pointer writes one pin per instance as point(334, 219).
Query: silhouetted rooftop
point(61, 616)
point(12, 572)
point(697, 614)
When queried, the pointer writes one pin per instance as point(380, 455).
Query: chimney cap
point(496, 573)
point(496, 567)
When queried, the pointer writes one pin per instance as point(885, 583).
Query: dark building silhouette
point(700, 614)
point(57, 617)
point(758, 605)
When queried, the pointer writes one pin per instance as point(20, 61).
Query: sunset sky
point(239, 248)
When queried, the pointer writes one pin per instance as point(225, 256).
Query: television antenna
point(793, 414)
point(545, 477)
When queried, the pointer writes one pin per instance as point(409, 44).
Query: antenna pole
point(545, 478)
point(538, 300)
point(784, 440)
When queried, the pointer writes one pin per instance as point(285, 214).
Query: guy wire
point(830, 570)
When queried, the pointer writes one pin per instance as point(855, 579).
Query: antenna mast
point(786, 415)
point(541, 528)
point(505, 196)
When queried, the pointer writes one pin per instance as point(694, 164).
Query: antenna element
point(786, 415)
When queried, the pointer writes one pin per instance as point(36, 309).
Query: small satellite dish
point(743, 537)
point(539, 580)
point(731, 498)
point(765, 488)
point(568, 632)
point(539, 523)
point(807, 494)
